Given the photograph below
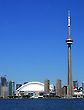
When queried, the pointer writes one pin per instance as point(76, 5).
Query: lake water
point(41, 104)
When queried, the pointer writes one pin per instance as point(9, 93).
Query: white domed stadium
point(33, 88)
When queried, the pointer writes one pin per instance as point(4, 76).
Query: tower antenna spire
point(68, 12)
point(69, 24)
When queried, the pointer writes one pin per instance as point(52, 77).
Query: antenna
point(68, 18)
point(68, 13)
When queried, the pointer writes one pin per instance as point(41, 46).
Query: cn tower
point(69, 42)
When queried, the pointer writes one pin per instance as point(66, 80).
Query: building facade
point(32, 88)
point(46, 86)
point(58, 88)
point(3, 87)
point(64, 91)
point(75, 85)
point(11, 88)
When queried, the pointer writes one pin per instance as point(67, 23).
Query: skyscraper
point(58, 88)
point(69, 41)
point(64, 91)
point(47, 86)
point(11, 88)
point(3, 87)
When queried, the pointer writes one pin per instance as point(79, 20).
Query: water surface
point(41, 104)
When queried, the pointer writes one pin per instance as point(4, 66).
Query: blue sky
point(32, 39)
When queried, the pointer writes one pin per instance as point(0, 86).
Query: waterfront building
point(58, 88)
point(69, 42)
point(83, 88)
point(32, 89)
point(11, 88)
point(3, 87)
point(75, 85)
point(46, 86)
point(64, 91)
point(78, 93)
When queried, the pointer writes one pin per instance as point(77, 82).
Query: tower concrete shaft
point(70, 82)
point(69, 41)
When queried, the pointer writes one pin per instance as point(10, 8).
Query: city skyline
point(33, 34)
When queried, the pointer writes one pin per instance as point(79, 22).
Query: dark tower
point(69, 41)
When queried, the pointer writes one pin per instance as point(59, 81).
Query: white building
point(31, 88)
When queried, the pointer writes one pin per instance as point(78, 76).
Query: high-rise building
point(69, 41)
point(3, 87)
point(58, 88)
point(64, 91)
point(11, 88)
point(46, 86)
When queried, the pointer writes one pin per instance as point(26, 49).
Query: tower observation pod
point(69, 42)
